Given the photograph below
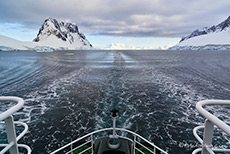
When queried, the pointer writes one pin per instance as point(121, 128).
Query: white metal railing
point(92, 135)
point(6, 116)
point(210, 123)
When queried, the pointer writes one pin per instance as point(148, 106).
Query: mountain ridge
point(206, 30)
point(216, 37)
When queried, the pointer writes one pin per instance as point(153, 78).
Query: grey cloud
point(136, 18)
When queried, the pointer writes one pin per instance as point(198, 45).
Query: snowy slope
point(7, 43)
point(52, 35)
point(216, 37)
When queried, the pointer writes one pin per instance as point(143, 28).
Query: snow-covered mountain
point(52, 35)
point(216, 37)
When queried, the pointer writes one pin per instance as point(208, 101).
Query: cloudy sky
point(115, 24)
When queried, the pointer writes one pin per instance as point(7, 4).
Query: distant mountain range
point(216, 37)
point(52, 35)
point(55, 35)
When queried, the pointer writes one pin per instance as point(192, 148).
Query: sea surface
point(70, 93)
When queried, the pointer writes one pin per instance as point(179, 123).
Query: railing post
point(91, 143)
point(208, 134)
point(11, 135)
point(71, 148)
point(114, 126)
point(114, 113)
point(134, 144)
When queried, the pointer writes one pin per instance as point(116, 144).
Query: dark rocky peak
point(72, 28)
point(66, 31)
point(69, 27)
point(49, 22)
point(195, 33)
point(61, 30)
point(224, 25)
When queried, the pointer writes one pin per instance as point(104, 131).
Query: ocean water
point(70, 93)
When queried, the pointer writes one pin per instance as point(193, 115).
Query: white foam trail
point(38, 100)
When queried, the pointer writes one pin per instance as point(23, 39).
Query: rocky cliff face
point(67, 32)
point(225, 25)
